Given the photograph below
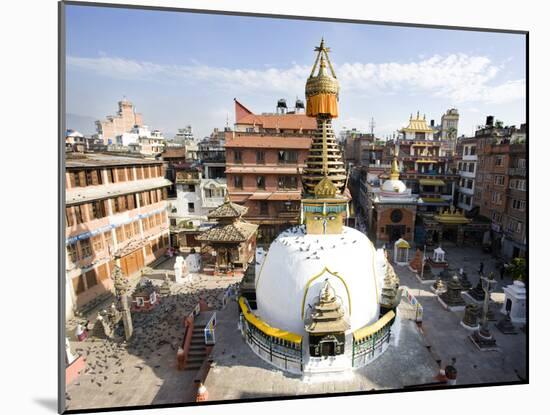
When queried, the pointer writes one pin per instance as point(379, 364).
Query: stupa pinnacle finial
point(394, 173)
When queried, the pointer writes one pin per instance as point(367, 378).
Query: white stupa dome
point(394, 186)
point(296, 266)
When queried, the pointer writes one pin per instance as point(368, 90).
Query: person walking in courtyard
point(481, 265)
point(502, 271)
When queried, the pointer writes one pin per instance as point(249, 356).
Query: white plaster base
point(450, 308)
point(469, 328)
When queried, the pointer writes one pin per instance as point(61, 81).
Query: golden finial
point(394, 173)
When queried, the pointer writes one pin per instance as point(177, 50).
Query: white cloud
point(458, 78)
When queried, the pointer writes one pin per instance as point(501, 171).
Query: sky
point(185, 69)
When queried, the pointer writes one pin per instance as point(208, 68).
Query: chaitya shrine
point(325, 297)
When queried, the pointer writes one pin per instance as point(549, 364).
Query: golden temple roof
point(452, 216)
point(417, 125)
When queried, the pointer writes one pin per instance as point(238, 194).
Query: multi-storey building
point(514, 243)
point(173, 157)
point(265, 157)
point(149, 145)
point(116, 211)
point(211, 153)
point(361, 149)
point(501, 185)
point(467, 165)
point(423, 165)
point(123, 122)
point(195, 198)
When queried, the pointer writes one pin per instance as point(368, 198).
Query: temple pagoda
point(232, 240)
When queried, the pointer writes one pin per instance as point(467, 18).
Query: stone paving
point(449, 339)
point(237, 373)
point(143, 372)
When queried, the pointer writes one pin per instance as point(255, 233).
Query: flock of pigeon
point(156, 337)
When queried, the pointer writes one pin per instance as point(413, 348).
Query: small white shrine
point(438, 255)
point(194, 262)
point(401, 252)
point(514, 301)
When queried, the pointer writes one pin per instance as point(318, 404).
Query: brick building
point(265, 156)
point(123, 122)
point(501, 186)
point(115, 207)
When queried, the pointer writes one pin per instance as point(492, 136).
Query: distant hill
point(81, 123)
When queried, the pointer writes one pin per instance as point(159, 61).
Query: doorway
point(395, 232)
point(327, 347)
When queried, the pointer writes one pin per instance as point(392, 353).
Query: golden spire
point(394, 173)
point(325, 159)
point(322, 88)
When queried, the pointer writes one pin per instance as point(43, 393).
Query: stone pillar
point(126, 318)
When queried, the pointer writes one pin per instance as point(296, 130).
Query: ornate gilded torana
point(324, 177)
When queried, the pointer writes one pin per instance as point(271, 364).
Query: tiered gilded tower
point(324, 177)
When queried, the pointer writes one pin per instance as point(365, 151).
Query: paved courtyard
point(449, 339)
point(143, 371)
point(237, 373)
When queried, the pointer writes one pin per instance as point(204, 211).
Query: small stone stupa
point(328, 318)
point(452, 299)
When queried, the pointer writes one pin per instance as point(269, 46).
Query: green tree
point(518, 269)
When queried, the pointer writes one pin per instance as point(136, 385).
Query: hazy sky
point(183, 68)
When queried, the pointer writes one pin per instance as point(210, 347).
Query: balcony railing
point(517, 171)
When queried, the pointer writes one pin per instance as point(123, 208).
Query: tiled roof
point(282, 121)
point(173, 153)
point(228, 210)
point(233, 232)
point(269, 141)
point(262, 169)
point(93, 160)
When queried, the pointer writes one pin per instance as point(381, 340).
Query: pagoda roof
point(232, 232)
point(417, 125)
point(452, 216)
point(228, 210)
point(332, 326)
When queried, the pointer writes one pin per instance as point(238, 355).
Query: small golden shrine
point(452, 216)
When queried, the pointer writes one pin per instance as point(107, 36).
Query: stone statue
point(180, 269)
point(194, 261)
